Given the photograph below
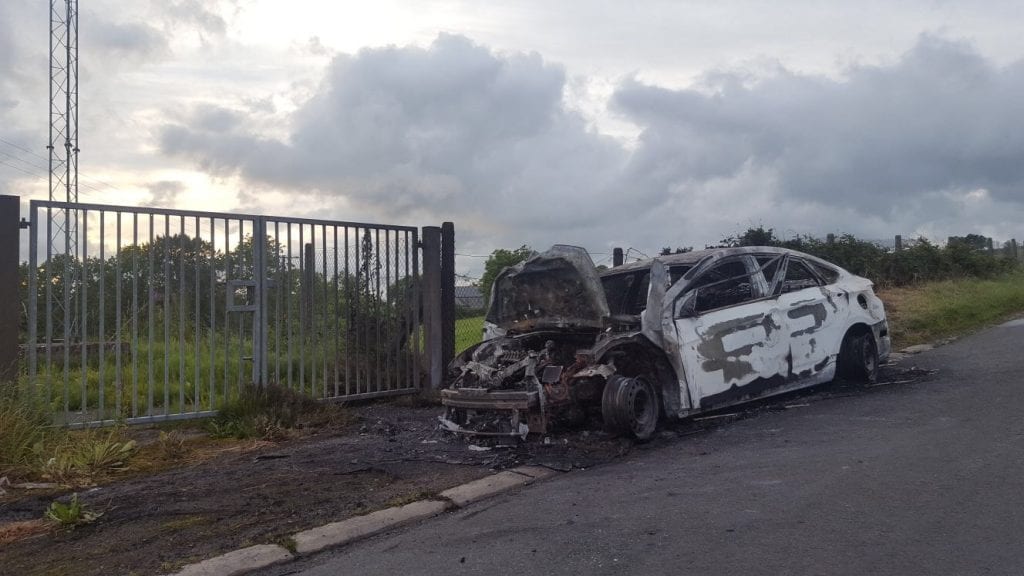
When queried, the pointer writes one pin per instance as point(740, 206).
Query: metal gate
point(157, 314)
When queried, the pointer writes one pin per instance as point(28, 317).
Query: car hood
point(556, 289)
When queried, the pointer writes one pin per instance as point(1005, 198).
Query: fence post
point(10, 320)
point(447, 294)
point(259, 333)
point(899, 242)
point(308, 263)
point(431, 306)
point(617, 257)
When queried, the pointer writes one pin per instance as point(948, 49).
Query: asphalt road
point(903, 479)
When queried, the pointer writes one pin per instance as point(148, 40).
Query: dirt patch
point(14, 531)
point(262, 492)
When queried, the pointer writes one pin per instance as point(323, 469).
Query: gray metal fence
point(157, 314)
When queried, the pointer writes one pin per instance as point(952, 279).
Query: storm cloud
point(452, 127)
point(939, 119)
point(465, 132)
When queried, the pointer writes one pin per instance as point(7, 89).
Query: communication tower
point(63, 145)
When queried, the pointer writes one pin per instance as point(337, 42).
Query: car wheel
point(859, 358)
point(630, 405)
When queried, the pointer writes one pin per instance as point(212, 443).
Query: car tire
point(630, 405)
point(859, 358)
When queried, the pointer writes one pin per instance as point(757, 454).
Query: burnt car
point(671, 336)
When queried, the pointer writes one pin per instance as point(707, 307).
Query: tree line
point(183, 279)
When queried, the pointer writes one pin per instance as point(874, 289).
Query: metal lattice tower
point(63, 147)
point(63, 144)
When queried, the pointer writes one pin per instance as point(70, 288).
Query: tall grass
point(270, 412)
point(23, 431)
point(171, 376)
point(932, 311)
point(32, 448)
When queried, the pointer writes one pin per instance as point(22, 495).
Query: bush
point(921, 262)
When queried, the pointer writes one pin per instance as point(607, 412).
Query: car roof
point(696, 256)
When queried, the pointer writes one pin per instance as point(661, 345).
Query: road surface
point(903, 479)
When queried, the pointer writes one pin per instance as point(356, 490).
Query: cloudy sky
point(597, 123)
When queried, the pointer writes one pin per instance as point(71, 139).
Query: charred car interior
point(667, 337)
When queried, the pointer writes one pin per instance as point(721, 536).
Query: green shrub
point(922, 261)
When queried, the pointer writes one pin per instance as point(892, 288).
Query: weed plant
point(80, 458)
point(72, 514)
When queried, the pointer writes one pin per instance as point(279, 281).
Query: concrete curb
point(358, 527)
point(239, 561)
point(496, 484)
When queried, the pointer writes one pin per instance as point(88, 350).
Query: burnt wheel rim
point(869, 358)
point(630, 405)
point(640, 408)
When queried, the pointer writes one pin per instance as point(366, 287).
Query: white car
point(672, 336)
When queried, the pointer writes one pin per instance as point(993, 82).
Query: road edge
point(336, 534)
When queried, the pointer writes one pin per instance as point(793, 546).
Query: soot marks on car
point(668, 337)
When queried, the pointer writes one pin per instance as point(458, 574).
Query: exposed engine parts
point(539, 379)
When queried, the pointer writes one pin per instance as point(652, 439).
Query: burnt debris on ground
point(261, 492)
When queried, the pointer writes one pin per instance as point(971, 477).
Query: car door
point(808, 310)
point(730, 331)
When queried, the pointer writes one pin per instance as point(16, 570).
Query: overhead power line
point(22, 170)
point(83, 180)
point(23, 161)
point(23, 149)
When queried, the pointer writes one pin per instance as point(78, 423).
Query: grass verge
point(928, 312)
point(33, 450)
point(468, 331)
